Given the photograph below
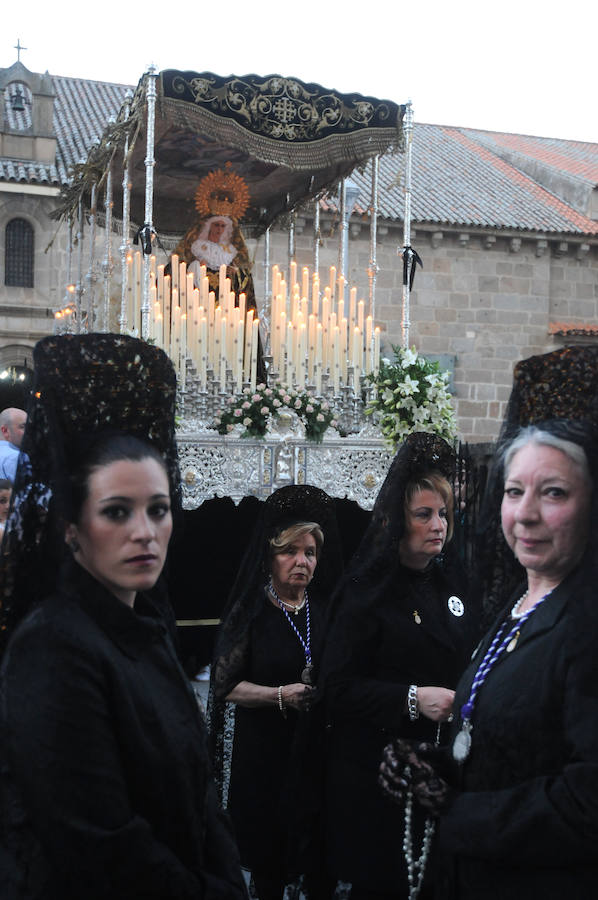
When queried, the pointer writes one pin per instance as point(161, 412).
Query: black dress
point(262, 758)
point(105, 782)
point(366, 701)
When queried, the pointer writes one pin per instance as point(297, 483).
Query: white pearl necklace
point(515, 612)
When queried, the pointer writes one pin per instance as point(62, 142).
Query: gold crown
point(222, 193)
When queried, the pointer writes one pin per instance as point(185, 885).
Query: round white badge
point(456, 606)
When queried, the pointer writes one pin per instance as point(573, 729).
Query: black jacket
point(389, 651)
point(526, 822)
point(106, 789)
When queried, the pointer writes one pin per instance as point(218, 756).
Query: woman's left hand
point(298, 695)
point(403, 767)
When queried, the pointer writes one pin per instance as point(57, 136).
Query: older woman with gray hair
point(265, 672)
point(521, 819)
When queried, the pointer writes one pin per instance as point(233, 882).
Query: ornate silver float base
point(214, 466)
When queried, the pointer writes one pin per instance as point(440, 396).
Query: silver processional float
point(189, 146)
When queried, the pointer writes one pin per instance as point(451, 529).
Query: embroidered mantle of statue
point(216, 240)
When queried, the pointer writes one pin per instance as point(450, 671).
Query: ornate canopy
point(287, 139)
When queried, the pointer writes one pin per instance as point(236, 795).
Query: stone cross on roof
point(18, 48)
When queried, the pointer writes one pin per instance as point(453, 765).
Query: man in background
point(12, 429)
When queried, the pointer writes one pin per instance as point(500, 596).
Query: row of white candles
point(310, 333)
point(311, 324)
point(186, 321)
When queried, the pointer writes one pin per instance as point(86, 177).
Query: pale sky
point(525, 66)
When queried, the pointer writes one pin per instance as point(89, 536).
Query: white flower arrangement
point(411, 394)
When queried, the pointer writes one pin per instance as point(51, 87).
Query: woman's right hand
point(435, 703)
point(297, 696)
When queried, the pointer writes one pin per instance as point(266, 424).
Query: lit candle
point(289, 373)
point(167, 311)
point(254, 345)
point(360, 315)
point(293, 277)
point(352, 307)
point(332, 282)
point(282, 330)
point(239, 347)
point(302, 355)
point(203, 350)
point(315, 296)
point(368, 344)
point(311, 344)
point(357, 358)
point(174, 271)
point(336, 374)
point(175, 339)
point(221, 282)
point(204, 289)
point(183, 351)
point(160, 285)
point(215, 361)
point(318, 364)
point(247, 348)
point(305, 282)
point(211, 331)
point(345, 349)
point(222, 361)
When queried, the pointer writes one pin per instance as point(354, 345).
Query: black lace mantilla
point(85, 386)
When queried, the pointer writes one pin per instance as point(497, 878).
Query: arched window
point(18, 254)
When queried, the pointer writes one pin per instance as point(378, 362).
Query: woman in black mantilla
point(521, 818)
point(266, 663)
point(105, 783)
point(401, 636)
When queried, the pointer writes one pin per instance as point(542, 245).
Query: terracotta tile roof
point(456, 180)
point(577, 158)
point(572, 328)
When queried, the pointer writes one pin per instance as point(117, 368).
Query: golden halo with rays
point(222, 193)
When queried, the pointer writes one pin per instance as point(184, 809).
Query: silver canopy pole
point(373, 267)
point(407, 251)
point(147, 230)
point(125, 247)
point(90, 276)
point(107, 263)
point(316, 236)
point(79, 288)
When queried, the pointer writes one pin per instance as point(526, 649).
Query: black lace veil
point(85, 386)
point(374, 567)
point(558, 392)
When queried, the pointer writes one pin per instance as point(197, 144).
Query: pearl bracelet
point(412, 706)
point(280, 702)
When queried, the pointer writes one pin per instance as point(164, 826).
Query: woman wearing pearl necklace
point(264, 675)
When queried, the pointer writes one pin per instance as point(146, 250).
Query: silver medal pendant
point(306, 676)
point(455, 605)
point(462, 743)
